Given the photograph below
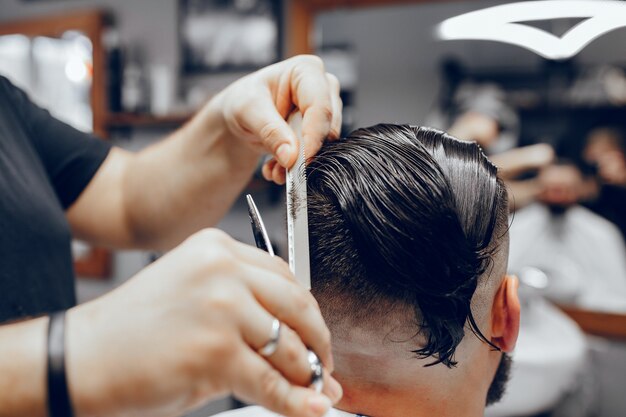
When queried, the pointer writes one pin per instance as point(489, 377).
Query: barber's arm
point(515, 162)
point(185, 330)
point(157, 197)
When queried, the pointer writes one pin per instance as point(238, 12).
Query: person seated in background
point(581, 252)
point(409, 246)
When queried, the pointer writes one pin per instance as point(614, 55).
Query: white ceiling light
point(505, 24)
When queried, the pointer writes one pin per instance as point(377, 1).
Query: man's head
point(409, 246)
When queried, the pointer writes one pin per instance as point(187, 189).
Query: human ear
point(505, 314)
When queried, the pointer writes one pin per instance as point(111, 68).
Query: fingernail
point(283, 154)
point(319, 404)
point(335, 390)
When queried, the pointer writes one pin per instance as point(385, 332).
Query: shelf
point(610, 325)
point(334, 4)
point(571, 108)
point(132, 120)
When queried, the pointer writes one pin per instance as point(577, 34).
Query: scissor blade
point(297, 216)
point(261, 238)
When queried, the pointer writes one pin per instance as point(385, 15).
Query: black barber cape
point(44, 166)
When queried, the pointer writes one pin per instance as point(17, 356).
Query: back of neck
point(378, 401)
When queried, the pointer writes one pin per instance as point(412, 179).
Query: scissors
point(263, 242)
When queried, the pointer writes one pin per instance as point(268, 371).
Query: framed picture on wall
point(229, 35)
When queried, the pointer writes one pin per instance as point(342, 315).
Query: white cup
point(161, 89)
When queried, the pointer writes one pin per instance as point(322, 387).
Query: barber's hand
point(612, 168)
point(476, 126)
point(187, 329)
point(255, 108)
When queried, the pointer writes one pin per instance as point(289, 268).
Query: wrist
point(84, 369)
point(23, 363)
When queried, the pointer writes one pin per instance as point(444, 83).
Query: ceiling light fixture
point(505, 23)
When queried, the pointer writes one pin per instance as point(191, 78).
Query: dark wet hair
point(406, 216)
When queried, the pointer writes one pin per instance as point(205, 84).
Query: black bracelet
point(59, 404)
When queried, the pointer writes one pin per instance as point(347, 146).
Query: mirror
point(505, 97)
point(567, 233)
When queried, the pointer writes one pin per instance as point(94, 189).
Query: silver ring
point(317, 374)
point(270, 347)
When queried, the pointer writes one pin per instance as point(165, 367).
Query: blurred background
point(133, 71)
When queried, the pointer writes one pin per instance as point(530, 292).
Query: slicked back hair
point(407, 216)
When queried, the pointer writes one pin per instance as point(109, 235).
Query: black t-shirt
point(44, 166)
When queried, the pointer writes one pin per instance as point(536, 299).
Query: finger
point(290, 357)
point(254, 257)
point(279, 175)
point(275, 287)
point(315, 128)
point(266, 124)
point(332, 388)
point(337, 106)
point(267, 169)
point(293, 305)
point(312, 94)
point(272, 171)
point(256, 381)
